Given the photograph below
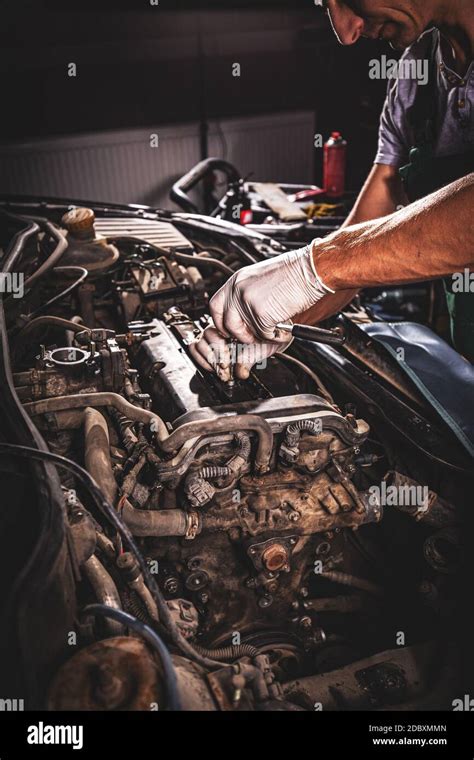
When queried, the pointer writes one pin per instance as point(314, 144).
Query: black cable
point(61, 245)
point(43, 556)
point(173, 701)
point(106, 508)
point(81, 278)
point(19, 420)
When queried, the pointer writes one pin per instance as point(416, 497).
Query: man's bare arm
point(429, 239)
point(382, 194)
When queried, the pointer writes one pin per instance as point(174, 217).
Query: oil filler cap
point(80, 222)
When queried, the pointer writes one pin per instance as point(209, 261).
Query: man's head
point(399, 22)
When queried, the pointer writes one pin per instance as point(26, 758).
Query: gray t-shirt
point(455, 108)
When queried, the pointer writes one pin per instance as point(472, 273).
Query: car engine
point(270, 560)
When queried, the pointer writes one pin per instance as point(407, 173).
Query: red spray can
point(334, 179)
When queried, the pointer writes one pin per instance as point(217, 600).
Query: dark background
point(143, 65)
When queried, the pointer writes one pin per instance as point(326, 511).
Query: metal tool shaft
point(314, 334)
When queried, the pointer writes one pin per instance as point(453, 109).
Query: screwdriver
point(314, 334)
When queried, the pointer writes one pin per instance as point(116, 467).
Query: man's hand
point(248, 307)
point(214, 353)
point(252, 302)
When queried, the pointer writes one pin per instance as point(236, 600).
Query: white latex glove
point(214, 353)
point(249, 306)
point(252, 302)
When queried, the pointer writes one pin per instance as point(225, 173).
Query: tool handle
point(318, 335)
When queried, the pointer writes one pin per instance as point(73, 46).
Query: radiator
point(124, 167)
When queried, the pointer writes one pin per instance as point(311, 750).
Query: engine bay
point(267, 550)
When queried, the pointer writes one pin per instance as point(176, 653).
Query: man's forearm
point(381, 195)
point(429, 239)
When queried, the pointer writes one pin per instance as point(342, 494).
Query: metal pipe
point(97, 452)
point(167, 522)
point(198, 262)
point(54, 257)
point(168, 442)
point(226, 424)
point(104, 589)
point(63, 293)
point(104, 398)
point(128, 565)
point(156, 522)
point(48, 320)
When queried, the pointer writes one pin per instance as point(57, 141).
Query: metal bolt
point(323, 548)
point(265, 601)
point(171, 585)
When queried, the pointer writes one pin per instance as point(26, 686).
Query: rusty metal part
point(275, 557)
point(225, 423)
point(127, 563)
point(169, 522)
point(82, 400)
point(168, 442)
point(105, 590)
point(384, 681)
point(185, 617)
point(193, 527)
point(163, 522)
point(83, 532)
point(245, 685)
point(115, 674)
point(434, 511)
point(97, 452)
point(442, 550)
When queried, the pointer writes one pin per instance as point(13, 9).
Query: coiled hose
point(294, 430)
point(231, 652)
point(197, 486)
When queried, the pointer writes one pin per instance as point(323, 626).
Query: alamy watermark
point(399, 495)
point(12, 705)
point(416, 69)
point(249, 354)
point(42, 733)
point(12, 282)
point(463, 282)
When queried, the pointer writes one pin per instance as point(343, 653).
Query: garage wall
point(121, 166)
point(139, 68)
